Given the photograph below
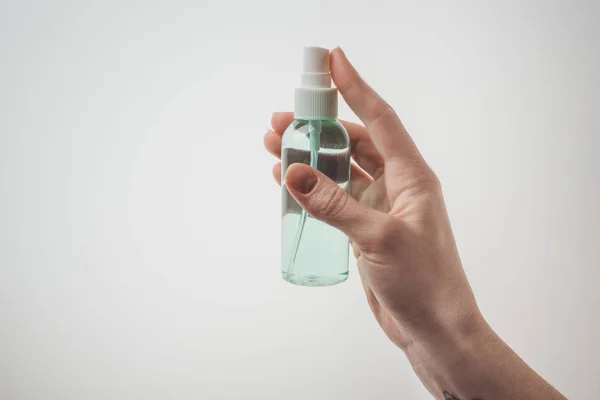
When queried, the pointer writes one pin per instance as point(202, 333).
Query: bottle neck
point(316, 103)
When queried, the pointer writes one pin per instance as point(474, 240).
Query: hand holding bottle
point(406, 254)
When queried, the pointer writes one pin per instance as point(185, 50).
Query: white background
point(139, 222)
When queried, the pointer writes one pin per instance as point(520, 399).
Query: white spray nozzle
point(315, 69)
point(315, 99)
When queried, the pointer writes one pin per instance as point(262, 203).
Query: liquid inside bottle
point(321, 256)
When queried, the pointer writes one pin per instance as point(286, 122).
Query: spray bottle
point(314, 253)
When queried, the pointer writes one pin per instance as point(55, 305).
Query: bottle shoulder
point(333, 134)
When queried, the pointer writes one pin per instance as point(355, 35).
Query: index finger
point(385, 128)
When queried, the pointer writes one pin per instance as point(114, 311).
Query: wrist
point(448, 347)
point(467, 360)
point(449, 335)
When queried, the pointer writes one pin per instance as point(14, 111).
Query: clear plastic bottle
point(314, 253)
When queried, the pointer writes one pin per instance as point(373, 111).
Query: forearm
point(475, 364)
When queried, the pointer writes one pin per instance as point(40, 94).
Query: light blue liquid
point(321, 258)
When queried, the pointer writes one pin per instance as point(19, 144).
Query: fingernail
point(301, 179)
point(341, 50)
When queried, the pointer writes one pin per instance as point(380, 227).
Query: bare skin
point(407, 258)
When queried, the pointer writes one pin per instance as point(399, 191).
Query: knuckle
point(381, 111)
point(351, 85)
point(436, 183)
point(425, 182)
point(431, 182)
point(332, 202)
point(386, 230)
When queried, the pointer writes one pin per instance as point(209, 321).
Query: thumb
point(324, 200)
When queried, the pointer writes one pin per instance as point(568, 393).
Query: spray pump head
point(315, 99)
point(315, 68)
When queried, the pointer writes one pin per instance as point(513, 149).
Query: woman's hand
point(401, 236)
point(395, 217)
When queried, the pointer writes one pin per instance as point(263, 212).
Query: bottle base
point(314, 280)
